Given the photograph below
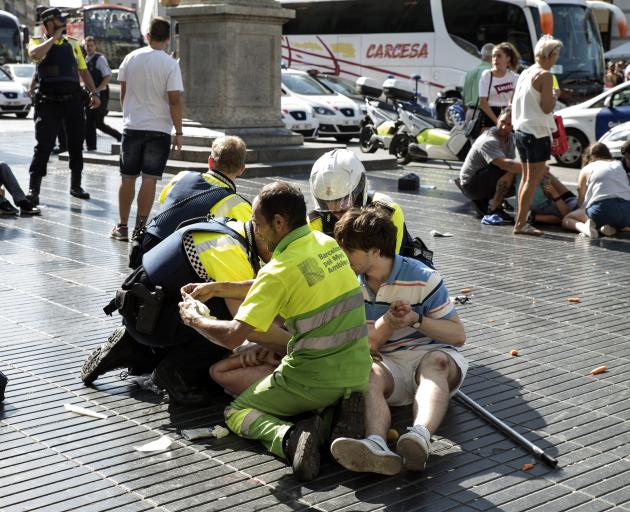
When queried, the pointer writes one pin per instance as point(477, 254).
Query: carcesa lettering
point(398, 51)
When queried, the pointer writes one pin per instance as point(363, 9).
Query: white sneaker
point(592, 228)
point(608, 230)
point(414, 448)
point(366, 456)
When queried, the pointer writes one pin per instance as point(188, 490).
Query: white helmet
point(338, 181)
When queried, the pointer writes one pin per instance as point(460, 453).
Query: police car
point(587, 122)
point(297, 115)
point(13, 96)
point(338, 116)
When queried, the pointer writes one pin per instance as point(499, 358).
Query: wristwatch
point(96, 93)
point(418, 323)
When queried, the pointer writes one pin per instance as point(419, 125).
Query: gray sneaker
point(414, 448)
point(366, 456)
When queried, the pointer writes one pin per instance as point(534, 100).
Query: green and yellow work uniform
point(310, 284)
point(325, 222)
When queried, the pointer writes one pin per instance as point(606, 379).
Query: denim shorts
point(144, 152)
point(531, 149)
point(613, 212)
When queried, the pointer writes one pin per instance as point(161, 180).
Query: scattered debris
point(146, 383)
point(465, 290)
point(193, 434)
point(428, 187)
point(574, 300)
point(492, 322)
point(158, 445)
point(462, 299)
point(514, 353)
point(436, 233)
point(85, 412)
point(599, 369)
point(527, 467)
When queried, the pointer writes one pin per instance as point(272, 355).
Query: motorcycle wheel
point(399, 147)
point(365, 139)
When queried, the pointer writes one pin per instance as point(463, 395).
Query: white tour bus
point(440, 39)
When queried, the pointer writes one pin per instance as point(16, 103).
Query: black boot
point(75, 186)
point(35, 183)
point(302, 448)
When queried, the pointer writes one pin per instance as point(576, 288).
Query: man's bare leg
point(126, 193)
point(146, 196)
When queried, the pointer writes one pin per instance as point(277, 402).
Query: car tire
point(344, 139)
point(577, 143)
point(21, 115)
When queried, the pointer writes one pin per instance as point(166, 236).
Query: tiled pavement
point(58, 270)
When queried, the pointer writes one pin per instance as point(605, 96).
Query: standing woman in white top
point(533, 122)
point(496, 85)
point(603, 195)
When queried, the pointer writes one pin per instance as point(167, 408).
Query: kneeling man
point(414, 333)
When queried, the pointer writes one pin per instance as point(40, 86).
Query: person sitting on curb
point(603, 195)
point(192, 195)
point(7, 179)
point(487, 175)
point(308, 282)
point(219, 250)
point(413, 325)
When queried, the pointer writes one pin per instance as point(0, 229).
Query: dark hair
point(596, 151)
point(511, 52)
point(625, 148)
point(159, 29)
point(90, 38)
point(283, 199)
point(505, 111)
point(364, 229)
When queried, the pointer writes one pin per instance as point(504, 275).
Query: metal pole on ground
point(506, 429)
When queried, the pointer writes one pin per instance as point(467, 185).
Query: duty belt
point(53, 98)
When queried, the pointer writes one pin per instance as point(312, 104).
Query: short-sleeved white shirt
point(501, 89)
point(148, 75)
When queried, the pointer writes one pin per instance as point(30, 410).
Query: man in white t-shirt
point(150, 94)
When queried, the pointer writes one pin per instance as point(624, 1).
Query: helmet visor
point(340, 205)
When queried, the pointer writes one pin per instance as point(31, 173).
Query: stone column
point(230, 53)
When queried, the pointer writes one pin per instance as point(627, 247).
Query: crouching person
point(310, 284)
point(414, 327)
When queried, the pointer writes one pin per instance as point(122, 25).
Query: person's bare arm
point(123, 90)
point(445, 330)
point(39, 52)
point(95, 101)
point(226, 333)
point(225, 289)
point(544, 84)
point(104, 83)
point(508, 164)
point(485, 108)
point(175, 106)
point(581, 186)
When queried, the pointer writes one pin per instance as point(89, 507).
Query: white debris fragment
point(193, 434)
point(434, 232)
point(158, 445)
point(85, 412)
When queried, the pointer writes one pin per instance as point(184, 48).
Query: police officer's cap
point(50, 14)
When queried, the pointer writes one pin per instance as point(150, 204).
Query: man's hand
point(258, 356)
point(58, 34)
point(189, 313)
point(200, 291)
point(95, 102)
point(177, 142)
point(400, 315)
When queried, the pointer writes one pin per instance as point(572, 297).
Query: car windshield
point(301, 84)
point(4, 77)
point(23, 71)
point(339, 85)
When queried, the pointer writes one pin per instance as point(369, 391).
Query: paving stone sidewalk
point(57, 271)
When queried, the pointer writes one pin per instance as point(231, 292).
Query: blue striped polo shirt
point(416, 283)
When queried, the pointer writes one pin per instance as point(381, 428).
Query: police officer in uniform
point(102, 75)
point(60, 69)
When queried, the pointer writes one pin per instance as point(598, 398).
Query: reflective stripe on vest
point(218, 242)
point(327, 342)
point(308, 324)
point(224, 208)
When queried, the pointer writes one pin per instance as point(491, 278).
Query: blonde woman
point(497, 84)
point(603, 194)
point(533, 122)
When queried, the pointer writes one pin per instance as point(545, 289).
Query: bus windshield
point(10, 50)
point(581, 56)
point(117, 32)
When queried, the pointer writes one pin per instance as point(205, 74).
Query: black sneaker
point(6, 208)
point(28, 208)
point(116, 352)
point(79, 192)
point(507, 218)
point(303, 448)
point(480, 206)
point(349, 418)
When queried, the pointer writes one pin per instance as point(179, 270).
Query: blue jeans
point(613, 212)
point(144, 151)
point(8, 180)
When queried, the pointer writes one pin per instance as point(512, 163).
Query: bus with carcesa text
point(441, 39)
point(13, 39)
point(115, 28)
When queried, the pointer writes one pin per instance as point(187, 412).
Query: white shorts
point(403, 364)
